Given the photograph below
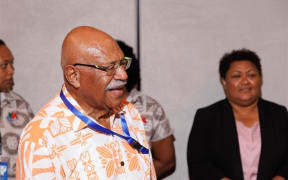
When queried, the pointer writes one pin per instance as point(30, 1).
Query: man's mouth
point(117, 91)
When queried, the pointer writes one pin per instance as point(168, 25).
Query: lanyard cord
point(135, 144)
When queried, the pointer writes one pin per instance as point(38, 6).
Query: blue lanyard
point(135, 144)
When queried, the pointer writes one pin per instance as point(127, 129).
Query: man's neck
point(102, 116)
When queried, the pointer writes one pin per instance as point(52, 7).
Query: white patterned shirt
point(15, 114)
point(58, 145)
point(156, 123)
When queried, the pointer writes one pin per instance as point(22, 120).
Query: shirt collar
point(77, 124)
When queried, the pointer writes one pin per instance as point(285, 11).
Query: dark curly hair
point(134, 70)
point(238, 55)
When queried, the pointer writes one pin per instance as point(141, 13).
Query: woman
point(242, 136)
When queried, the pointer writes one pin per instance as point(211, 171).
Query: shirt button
point(122, 163)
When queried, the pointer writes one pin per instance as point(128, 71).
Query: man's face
point(6, 69)
point(94, 82)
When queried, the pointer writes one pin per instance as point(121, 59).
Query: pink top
point(250, 148)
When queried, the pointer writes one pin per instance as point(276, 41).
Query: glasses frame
point(126, 60)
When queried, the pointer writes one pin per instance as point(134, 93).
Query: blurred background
point(179, 42)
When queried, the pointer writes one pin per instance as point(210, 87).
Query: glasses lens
point(127, 62)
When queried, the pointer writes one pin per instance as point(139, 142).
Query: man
point(156, 124)
point(87, 132)
point(15, 113)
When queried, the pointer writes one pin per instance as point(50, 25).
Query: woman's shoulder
point(271, 105)
point(215, 106)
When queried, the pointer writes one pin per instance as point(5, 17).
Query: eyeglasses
point(110, 69)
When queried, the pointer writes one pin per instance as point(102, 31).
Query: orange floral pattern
point(58, 145)
point(111, 158)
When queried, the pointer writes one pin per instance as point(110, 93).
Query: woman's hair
point(238, 55)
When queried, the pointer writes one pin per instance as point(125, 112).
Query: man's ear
point(72, 76)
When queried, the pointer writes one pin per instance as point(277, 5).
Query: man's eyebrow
point(114, 61)
point(6, 60)
point(108, 64)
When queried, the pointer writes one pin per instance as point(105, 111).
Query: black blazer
point(213, 147)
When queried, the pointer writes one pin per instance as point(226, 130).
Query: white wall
point(182, 42)
point(34, 31)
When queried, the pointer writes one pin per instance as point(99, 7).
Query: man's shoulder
point(13, 96)
point(50, 117)
point(54, 106)
point(140, 98)
point(16, 102)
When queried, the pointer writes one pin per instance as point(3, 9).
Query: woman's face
point(242, 84)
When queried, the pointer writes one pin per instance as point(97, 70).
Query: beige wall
point(34, 31)
point(182, 42)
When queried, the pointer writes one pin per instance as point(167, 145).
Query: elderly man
point(15, 114)
point(87, 131)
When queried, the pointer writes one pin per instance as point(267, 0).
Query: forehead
point(242, 65)
point(105, 53)
point(5, 53)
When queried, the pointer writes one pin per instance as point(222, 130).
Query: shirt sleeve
point(161, 128)
point(30, 112)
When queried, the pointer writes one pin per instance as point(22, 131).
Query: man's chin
point(6, 90)
point(115, 107)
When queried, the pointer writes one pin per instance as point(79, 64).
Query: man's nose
point(121, 73)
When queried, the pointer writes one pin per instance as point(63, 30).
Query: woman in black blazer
point(242, 137)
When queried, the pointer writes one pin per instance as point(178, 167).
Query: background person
point(157, 126)
point(242, 136)
point(15, 112)
point(87, 132)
